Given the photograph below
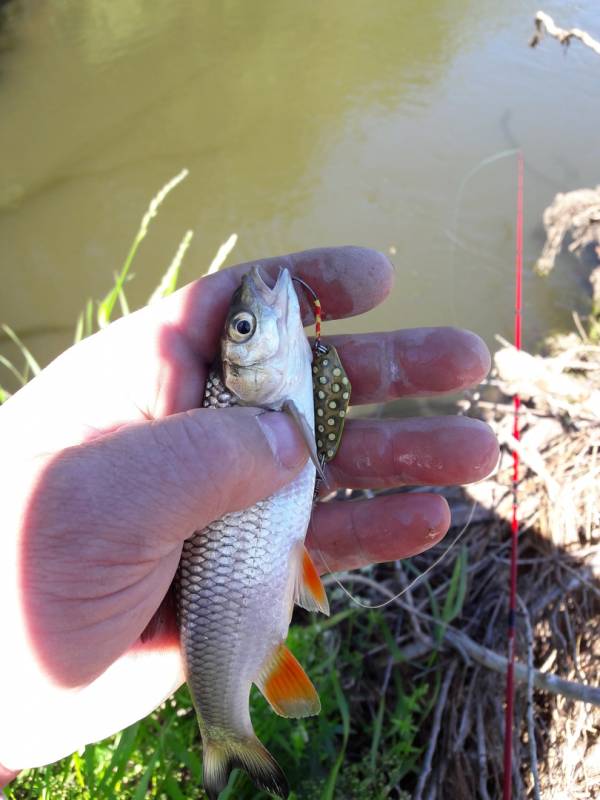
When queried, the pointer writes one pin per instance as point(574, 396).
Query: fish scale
point(219, 564)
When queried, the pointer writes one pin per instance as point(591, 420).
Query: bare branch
point(435, 729)
point(546, 682)
point(545, 24)
point(530, 722)
point(481, 753)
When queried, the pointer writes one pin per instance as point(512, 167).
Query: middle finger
point(411, 362)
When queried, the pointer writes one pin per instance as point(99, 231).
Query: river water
point(302, 124)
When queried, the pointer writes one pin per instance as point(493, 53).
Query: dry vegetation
point(560, 553)
point(556, 741)
point(451, 627)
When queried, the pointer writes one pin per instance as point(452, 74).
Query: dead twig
point(482, 655)
point(545, 24)
point(481, 754)
point(435, 730)
point(557, 592)
point(546, 682)
point(533, 759)
point(465, 722)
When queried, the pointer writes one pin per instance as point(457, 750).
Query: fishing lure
point(331, 389)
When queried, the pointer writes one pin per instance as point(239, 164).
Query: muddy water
point(302, 124)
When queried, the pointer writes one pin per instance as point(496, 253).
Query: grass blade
point(123, 303)
point(376, 737)
point(142, 787)
point(85, 323)
point(328, 792)
point(395, 651)
point(107, 305)
point(168, 283)
point(89, 318)
point(118, 762)
point(186, 756)
point(29, 359)
point(77, 763)
point(457, 590)
point(12, 369)
point(171, 787)
point(222, 253)
point(78, 336)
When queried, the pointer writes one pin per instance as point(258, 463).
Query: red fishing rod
point(510, 673)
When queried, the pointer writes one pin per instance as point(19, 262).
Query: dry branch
point(575, 217)
point(472, 650)
point(435, 730)
point(559, 582)
point(533, 759)
point(545, 24)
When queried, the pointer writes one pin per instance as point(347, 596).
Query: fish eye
point(242, 326)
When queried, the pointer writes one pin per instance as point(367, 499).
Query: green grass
point(366, 742)
point(338, 754)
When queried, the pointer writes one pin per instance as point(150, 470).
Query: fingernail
point(283, 439)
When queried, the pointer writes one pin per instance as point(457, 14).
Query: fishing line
point(485, 162)
point(515, 525)
point(318, 345)
point(510, 687)
point(509, 694)
point(319, 350)
point(413, 583)
point(316, 308)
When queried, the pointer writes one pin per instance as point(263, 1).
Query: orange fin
point(310, 592)
point(286, 686)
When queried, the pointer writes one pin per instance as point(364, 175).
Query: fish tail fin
point(221, 757)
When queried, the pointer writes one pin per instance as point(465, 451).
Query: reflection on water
point(302, 124)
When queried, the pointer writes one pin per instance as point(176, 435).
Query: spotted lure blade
point(332, 390)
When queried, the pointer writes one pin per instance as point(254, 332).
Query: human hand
point(109, 465)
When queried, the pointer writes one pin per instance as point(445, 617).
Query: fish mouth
point(267, 293)
point(235, 367)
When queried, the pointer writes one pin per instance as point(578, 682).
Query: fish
point(240, 576)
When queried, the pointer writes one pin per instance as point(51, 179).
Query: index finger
point(413, 362)
point(347, 280)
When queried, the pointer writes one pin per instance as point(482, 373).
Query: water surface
point(302, 124)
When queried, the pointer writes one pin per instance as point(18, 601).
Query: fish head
point(264, 351)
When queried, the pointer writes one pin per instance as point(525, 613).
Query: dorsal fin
point(307, 433)
point(286, 686)
point(309, 591)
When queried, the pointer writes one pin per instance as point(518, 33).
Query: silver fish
point(240, 577)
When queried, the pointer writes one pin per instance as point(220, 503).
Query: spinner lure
point(331, 389)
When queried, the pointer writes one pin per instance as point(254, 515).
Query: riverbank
point(450, 629)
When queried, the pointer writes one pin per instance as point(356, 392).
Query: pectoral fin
point(309, 592)
point(286, 686)
point(307, 434)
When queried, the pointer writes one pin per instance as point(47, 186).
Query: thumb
point(171, 476)
point(102, 527)
point(227, 459)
